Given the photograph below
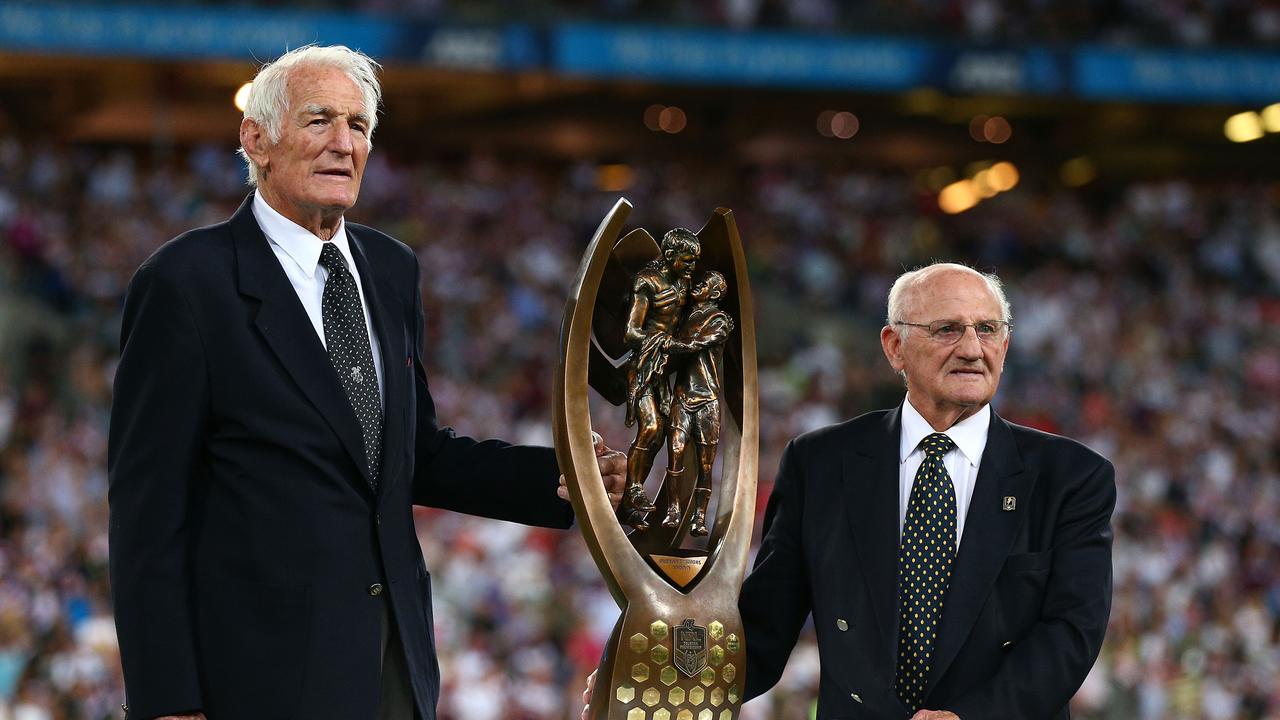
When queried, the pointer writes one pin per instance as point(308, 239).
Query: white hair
point(900, 293)
point(269, 95)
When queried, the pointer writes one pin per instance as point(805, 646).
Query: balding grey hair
point(900, 292)
point(268, 101)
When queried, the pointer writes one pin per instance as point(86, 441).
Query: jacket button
point(375, 590)
point(856, 697)
point(377, 519)
point(1006, 645)
point(842, 624)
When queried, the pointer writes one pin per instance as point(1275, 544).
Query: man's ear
point(891, 343)
point(253, 138)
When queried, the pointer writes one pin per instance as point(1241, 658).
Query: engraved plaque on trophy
point(664, 329)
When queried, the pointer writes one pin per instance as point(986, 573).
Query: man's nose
point(341, 140)
point(969, 346)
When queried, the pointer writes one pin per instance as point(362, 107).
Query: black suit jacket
point(1027, 607)
point(246, 541)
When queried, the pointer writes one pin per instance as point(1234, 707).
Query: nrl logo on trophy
point(691, 648)
point(665, 330)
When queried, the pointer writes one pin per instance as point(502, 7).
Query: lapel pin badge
point(1010, 503)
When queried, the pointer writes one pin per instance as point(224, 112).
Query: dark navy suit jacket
point(1028, 604)
point(246, 540)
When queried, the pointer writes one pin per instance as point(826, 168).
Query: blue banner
point(1177, 76)
point(192, 32)
point(512, 47)
point(1033, 71)
point(725, 57)
point(665, 54)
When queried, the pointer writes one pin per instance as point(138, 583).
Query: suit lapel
point(391, 344)
point(871, 508)
point(989, 533)
point(289, 333)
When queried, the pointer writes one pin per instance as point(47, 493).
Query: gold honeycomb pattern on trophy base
point(712, 694)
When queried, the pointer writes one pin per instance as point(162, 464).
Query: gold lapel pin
point(1010, 503)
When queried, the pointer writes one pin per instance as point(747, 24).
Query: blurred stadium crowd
point(1147, 324)
point(1193, 23)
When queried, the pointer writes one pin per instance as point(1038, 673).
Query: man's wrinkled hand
point(935, 715)
point(586, 694)
point(197, 716)
point(613, 470)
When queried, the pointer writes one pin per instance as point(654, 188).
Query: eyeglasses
point(949, 332)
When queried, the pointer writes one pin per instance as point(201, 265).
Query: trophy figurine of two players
point(666, 329)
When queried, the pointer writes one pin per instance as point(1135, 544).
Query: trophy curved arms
point(622, 568)
point(618, 556)
point(740, 437)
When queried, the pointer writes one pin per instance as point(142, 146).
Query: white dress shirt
point(299, 254)
point(970, 437)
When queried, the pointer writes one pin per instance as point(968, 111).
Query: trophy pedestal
point(665, 667)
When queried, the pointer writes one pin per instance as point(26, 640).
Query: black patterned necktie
point(925, 558)
point(347, 339)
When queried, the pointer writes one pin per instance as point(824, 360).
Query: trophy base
point(672, 668)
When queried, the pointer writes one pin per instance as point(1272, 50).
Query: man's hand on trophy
point(586, 694)
point(613, 470)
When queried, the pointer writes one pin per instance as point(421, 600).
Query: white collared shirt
point(970, 437)
point(299, 254)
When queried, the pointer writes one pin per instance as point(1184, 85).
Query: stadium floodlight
point(982, 185)
point(672, 119)
point(844, 125)
point(242, 96)
point(1271, 118)
point(976, 126)
point(1243, 127)
point(957, 197)
point(997, 130)
point(1003, 176)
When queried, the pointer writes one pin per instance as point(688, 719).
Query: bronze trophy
point(666, 329)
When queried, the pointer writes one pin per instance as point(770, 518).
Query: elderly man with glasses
point(955, 565)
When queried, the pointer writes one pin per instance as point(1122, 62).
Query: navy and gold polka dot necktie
point(926, 555)
point(346, 337)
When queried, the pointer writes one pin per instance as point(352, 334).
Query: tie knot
point(937, 444)
point(331, 257)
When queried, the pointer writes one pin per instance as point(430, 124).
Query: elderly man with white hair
point(955, 565)
point(271, 429)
